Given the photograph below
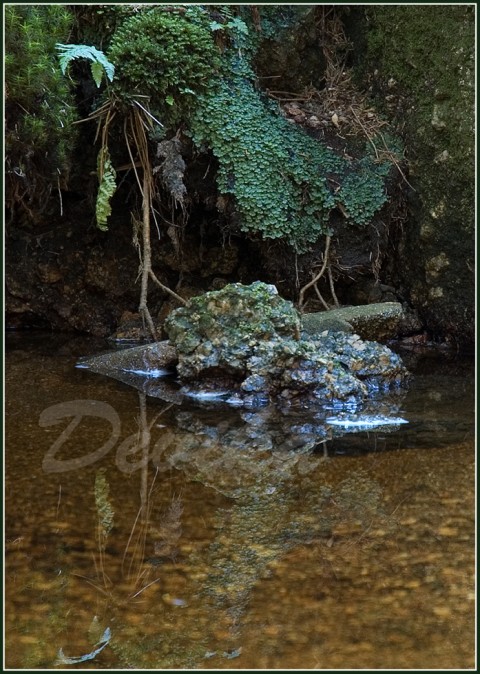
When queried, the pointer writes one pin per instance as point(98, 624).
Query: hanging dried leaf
point(106, 190)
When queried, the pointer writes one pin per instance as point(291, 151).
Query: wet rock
point(219, 331)
point(248, 338)
point(379, 322)
point(317, 322)
point(158, 358)
point(435, 109)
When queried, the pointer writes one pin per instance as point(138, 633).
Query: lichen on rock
point(248, 339)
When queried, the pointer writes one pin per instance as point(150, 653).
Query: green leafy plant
point(283, 183)
point(234, 24)
point(139, 76)
point(100, 65)
point(363, 191)
point(264, 164)
point(280, 178)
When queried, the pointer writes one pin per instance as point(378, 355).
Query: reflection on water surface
point(207, 537)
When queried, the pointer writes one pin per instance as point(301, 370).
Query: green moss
point(195, 66)
point(39, 105)
point(423, 59)
point(168, 57)
point(428, 54)
point(96, 24)
point(235, 315)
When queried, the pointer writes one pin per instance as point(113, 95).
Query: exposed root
point(167, 289)
point(332, 287)
point(135, 127)
point(146, 259)
point(338, 111)
point(320, 297)
point(316, 278)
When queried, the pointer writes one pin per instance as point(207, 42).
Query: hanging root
point(146, 258)
point(326, 266)
point(332, 287)
point(137, 130)
point(166, 288)
point(316, 278)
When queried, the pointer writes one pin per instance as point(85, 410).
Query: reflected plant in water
point(133, 569)
point(131, 573)
point(169, 530)
point(105, 514)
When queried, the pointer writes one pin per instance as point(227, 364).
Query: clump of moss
point(167, 56)
point(39, 105)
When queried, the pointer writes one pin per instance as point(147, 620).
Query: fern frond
point(97, 72)
point(106, 189)
point(100, 64)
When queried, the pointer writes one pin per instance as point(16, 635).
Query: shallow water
point(206, 537)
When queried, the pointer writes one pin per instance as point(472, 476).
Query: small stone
point(447, 531)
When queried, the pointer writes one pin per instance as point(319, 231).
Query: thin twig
point(134, 163)
point(60, 196)
point(369, 138)
point(97, 587)
point(392, 158)
point(144, 588)
point(59, 499)
point(130, 537)
point(147, 112)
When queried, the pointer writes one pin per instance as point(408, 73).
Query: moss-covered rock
point(220, 330)
point(248, 339)
point(421, 62)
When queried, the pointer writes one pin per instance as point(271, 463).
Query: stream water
point(146, 534)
